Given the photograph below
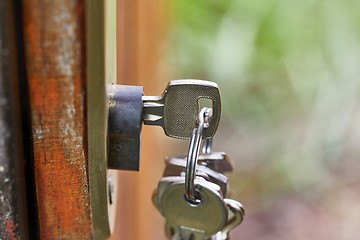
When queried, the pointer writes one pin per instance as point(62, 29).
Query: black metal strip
point(13, 215)
point(33, 232)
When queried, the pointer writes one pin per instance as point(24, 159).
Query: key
point(203, 219)
point(164, 183)
point(171, 234)
point(236, 216)
point(177, 166)
point(218, 161)
point(176, 111)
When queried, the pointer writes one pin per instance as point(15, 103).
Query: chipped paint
point(11, 230)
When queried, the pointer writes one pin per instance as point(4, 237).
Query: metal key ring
point(193, 154)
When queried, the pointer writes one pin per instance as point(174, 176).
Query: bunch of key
point(193, 193)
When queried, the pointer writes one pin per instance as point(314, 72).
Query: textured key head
point(209, 217)
point(181, 107)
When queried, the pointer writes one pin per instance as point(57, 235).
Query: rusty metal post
point(54, 42)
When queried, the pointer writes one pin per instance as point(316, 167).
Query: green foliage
point(289, 74)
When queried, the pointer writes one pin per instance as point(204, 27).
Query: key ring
point(193, 154)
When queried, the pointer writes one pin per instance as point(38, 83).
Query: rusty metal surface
point(13, 221)
point(54, 35)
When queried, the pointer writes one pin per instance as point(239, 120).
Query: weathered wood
point(13, 220)
point(55, 61)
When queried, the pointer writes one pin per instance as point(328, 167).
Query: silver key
point(236, 216)
point(176, 166)
point(203, 219)
point(171, 234)
point(163, 185)
point(176, 111)
point(217, 161)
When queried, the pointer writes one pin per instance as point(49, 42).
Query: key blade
point(153, 110)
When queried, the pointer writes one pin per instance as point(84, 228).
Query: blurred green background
point(289, 76)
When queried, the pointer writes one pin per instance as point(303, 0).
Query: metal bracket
point(124, 127)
